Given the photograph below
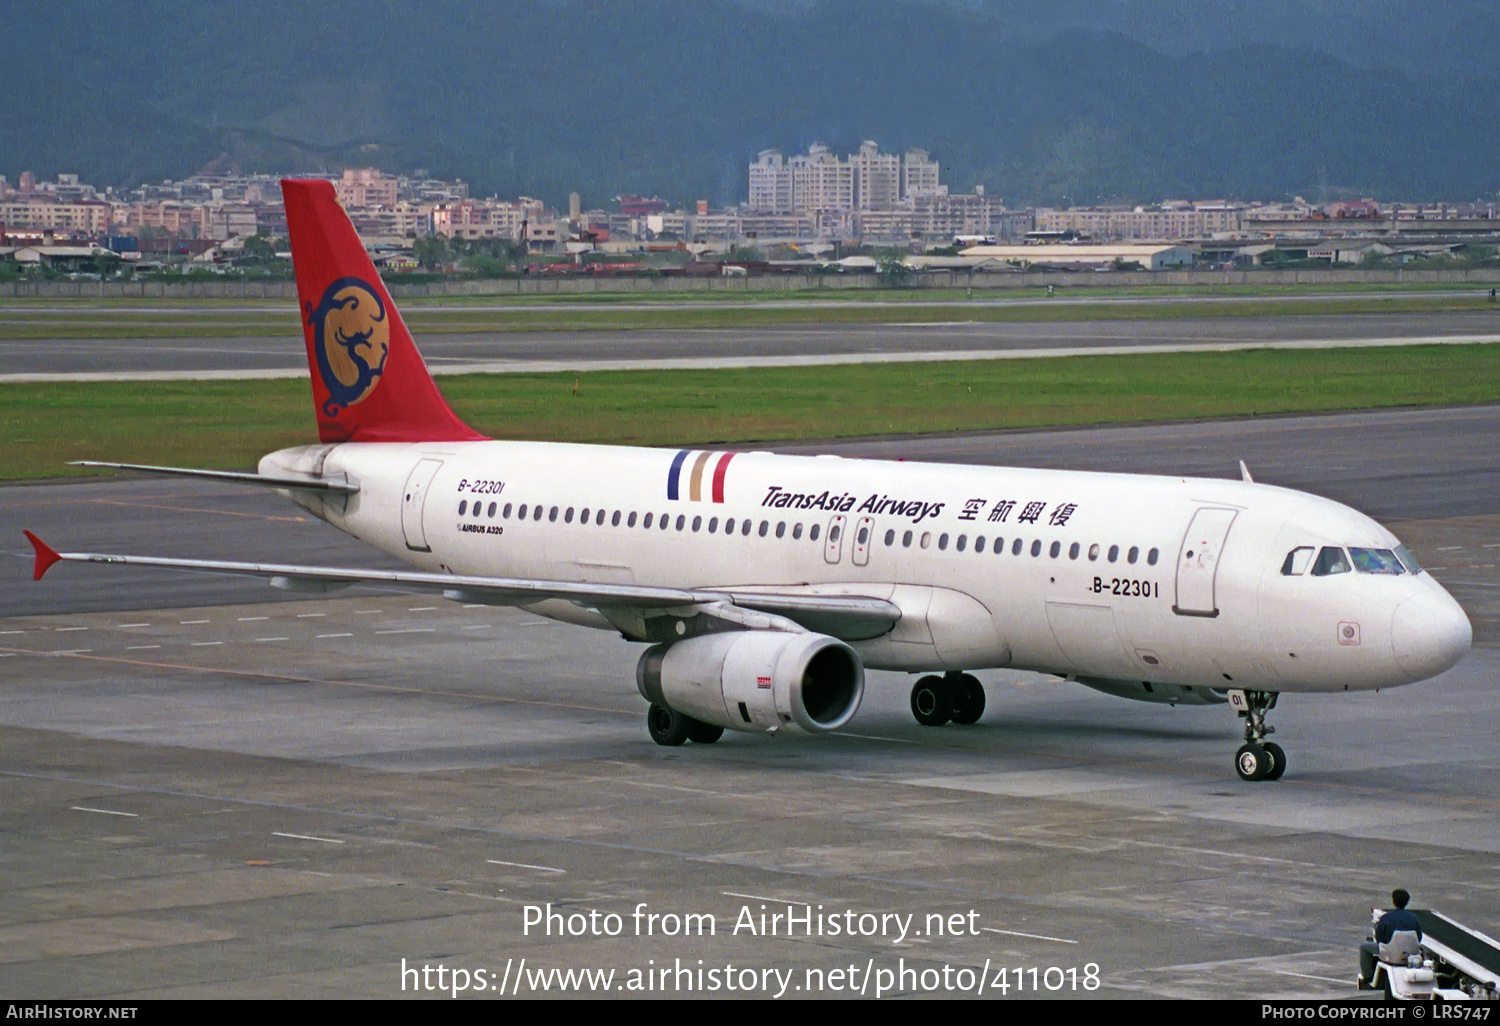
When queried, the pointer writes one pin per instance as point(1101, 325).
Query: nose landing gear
point(1257, 759)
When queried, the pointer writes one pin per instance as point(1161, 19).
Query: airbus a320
point(765, 585)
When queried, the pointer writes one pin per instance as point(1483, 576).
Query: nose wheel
point(1257, 759)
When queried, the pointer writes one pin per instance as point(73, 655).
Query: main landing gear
point(954, 696)
point(670, 728)
point(1257, 759)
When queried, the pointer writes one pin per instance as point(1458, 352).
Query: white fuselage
point(1165, 580)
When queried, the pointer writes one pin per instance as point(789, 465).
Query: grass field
point(229, 424)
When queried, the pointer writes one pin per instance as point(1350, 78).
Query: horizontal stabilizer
point(235, 477)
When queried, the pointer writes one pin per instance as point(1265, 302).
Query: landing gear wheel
point(700, 733)
point(967, 698)
point(667, 727)
point(1278, 760)
point(931, 703)
point(1257, 759)
point(1253, 762)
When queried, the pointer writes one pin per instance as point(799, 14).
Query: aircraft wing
point(850, 617)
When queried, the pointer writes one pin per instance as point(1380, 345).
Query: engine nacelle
point(756, 680)
point(1145, 691)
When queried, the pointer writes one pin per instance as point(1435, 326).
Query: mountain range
point(1075, 101)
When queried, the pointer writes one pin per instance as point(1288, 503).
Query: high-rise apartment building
point(818, 180)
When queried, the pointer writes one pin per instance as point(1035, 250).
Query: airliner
point(764, 585)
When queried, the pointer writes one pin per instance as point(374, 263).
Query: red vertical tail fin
point(369, 383)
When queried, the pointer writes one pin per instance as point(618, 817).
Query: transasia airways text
point(779, 498)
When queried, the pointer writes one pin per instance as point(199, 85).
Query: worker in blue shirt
point(1398, 918)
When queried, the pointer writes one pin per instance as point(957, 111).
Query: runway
point(215, 791)
point(109, 358)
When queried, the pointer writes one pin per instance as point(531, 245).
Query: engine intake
point(756, 680)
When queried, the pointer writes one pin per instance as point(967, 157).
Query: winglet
point(46, 555)
point(1245, 473)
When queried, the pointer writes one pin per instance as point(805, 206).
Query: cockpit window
point(1375, 561)
point(1408, 560)
point(1330, 561)
point(1297, 560)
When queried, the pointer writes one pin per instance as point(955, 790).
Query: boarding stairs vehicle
point(1449, 962)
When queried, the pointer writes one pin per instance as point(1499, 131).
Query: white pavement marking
point(525, 865)
point(205, 644)
point(60, 630)
point(407, 630)
point(421, 609)
point(305, 837)
point(135, 648)
point(1310, 976)
point(309, 616)
point(272, 639)
point(762, 897)
point(247, 619)
point(186, 623)
point(1033, 936)
point(345, 635)
point(815, 360)
point(105, 812)
point(124, 625)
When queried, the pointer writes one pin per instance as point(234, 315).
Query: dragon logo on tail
point(351, 336)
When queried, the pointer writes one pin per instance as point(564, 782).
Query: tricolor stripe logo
point(690, 467)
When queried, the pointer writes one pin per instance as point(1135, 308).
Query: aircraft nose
point(1429, 634)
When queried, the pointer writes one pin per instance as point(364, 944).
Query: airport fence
point(770, 283)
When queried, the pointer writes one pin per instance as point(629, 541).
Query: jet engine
point(756, 680)
point(1145, 691)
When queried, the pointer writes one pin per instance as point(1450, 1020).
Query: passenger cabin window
point(505, 513)
point(1055, 548)
point(781, 530)
point(462, 506)
point(1297, 561)
point(1330, 561)
point(568, 516)
point(890, 538)
point(979, 543)
point(1375, 561)
point(630, 520)
point(812, 532)
point(906, 540)
point(1015, 548)
point(614, 521)
point(796, 530)
point(1133, 554)
point(1093, 552)
point(1152, 556)
point(1036, 548)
